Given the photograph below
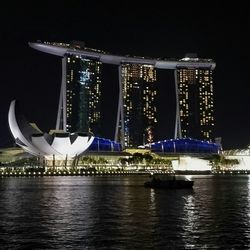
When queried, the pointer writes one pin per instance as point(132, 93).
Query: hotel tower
point(83, 81)
point(79, 102)
point(139, 108)
point(195, 96)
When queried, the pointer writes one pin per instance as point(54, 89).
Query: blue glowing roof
point(101, 144)
point(185, 145)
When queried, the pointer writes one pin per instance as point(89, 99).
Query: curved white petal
point(44, 146)
point(17, 133)
point(61, 145)
point(80, 145)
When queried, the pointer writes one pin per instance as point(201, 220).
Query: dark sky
point(216, 31)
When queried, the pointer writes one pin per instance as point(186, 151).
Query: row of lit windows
point(139, 71)
point(151, 109)
point(204, 90)
point(196, 71)
point(206, 134)
point(205, 123)
point(184, 114)
point(148, 111)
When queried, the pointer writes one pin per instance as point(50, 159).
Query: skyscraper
point(83, 80)
point(196, 100)
point(139, 107)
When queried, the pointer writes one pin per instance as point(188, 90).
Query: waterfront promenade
point(51, 172)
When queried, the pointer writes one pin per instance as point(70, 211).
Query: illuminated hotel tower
point(137, 112)
point(83, 79)
point(79, 101)
point(196, 100)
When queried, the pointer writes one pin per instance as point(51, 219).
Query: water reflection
point(152, 200)
point(119, 213)
point(216, 214)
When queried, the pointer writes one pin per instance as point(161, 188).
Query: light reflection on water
point(119, 213)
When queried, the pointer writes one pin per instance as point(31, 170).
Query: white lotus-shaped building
point(56, 144)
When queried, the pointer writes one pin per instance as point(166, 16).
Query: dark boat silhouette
point(169, 183)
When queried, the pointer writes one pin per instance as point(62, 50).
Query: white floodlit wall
point(244, 162)
point(187, 163)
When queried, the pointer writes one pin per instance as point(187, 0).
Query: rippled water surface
point(119, 213)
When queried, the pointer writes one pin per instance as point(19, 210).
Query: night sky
point(155, 30)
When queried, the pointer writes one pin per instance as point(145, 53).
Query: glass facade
point(139, 104)
point(83, 81)
point(196, 102)
point(101, 144)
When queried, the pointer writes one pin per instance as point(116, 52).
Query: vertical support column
point(61, 113)
point(120, 113)
point(118, 117)
point(177, 132)
point(64, 92)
